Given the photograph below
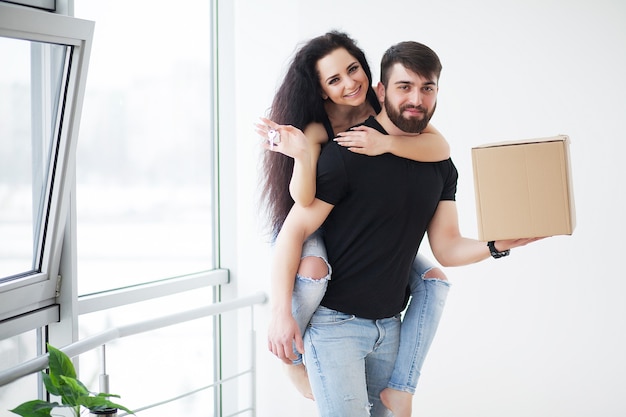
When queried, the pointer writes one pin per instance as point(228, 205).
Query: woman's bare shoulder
point(316, 133)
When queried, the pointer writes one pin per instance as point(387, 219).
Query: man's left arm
point(300, 223)
point(452, 249)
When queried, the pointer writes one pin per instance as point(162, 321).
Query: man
point(375, 212)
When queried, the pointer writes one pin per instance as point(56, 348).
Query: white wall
point(540, 333)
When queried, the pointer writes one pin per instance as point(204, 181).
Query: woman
point(327, 89)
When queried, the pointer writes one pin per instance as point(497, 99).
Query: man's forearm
point(286, 259)
point(283, 330)
point(462, 251)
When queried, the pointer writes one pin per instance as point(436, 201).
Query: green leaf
point(60, 364)
point(100, 402)
point(35, 408)
point(74, 385)
point(50, 384)
point(104, 394)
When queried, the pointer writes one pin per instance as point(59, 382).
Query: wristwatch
point(494, 252)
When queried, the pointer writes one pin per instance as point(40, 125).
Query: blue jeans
point(421, 318)
point(308, 292)
point(419, 325)
point(349, 362)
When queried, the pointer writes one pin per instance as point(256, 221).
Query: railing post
point(103, 378)
point(217, 357)
point(252, 362)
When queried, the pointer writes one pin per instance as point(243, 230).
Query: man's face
point(409, 99)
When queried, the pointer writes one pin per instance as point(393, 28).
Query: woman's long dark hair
point(298, 102)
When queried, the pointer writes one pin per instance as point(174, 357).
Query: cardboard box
point(524, 189)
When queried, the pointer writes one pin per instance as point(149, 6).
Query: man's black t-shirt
point(382, 207)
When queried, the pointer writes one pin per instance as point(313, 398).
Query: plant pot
point(107, 412)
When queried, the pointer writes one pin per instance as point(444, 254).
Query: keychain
point(274, 137)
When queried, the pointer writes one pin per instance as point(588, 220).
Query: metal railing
point(101, 339)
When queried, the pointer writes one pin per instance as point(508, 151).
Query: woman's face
point(342, 78)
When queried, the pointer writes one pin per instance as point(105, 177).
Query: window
point(41, 97)
point(30, 143)
point(144, 195)
point(145, 155)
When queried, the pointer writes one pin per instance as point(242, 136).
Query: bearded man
point(374, 212)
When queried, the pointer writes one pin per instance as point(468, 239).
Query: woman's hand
point(289, 141)
point(364, 140)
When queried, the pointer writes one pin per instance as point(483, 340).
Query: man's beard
point(410, 125)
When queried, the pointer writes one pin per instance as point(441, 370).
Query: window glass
point(28, 114)
point(14, 351)
point(144, 158)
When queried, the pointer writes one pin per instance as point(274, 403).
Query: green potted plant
point(61, 381)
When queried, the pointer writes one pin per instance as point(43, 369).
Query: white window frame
point(30, 301)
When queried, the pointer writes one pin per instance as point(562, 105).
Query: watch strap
point(495, 253)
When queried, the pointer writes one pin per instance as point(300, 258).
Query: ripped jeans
point(419, 324)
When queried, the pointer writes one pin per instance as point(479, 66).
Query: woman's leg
point(309, 288)
point(429, 290)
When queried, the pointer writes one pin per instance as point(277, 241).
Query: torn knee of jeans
point(314, 268)
point(435, 273)
point(322, 280)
